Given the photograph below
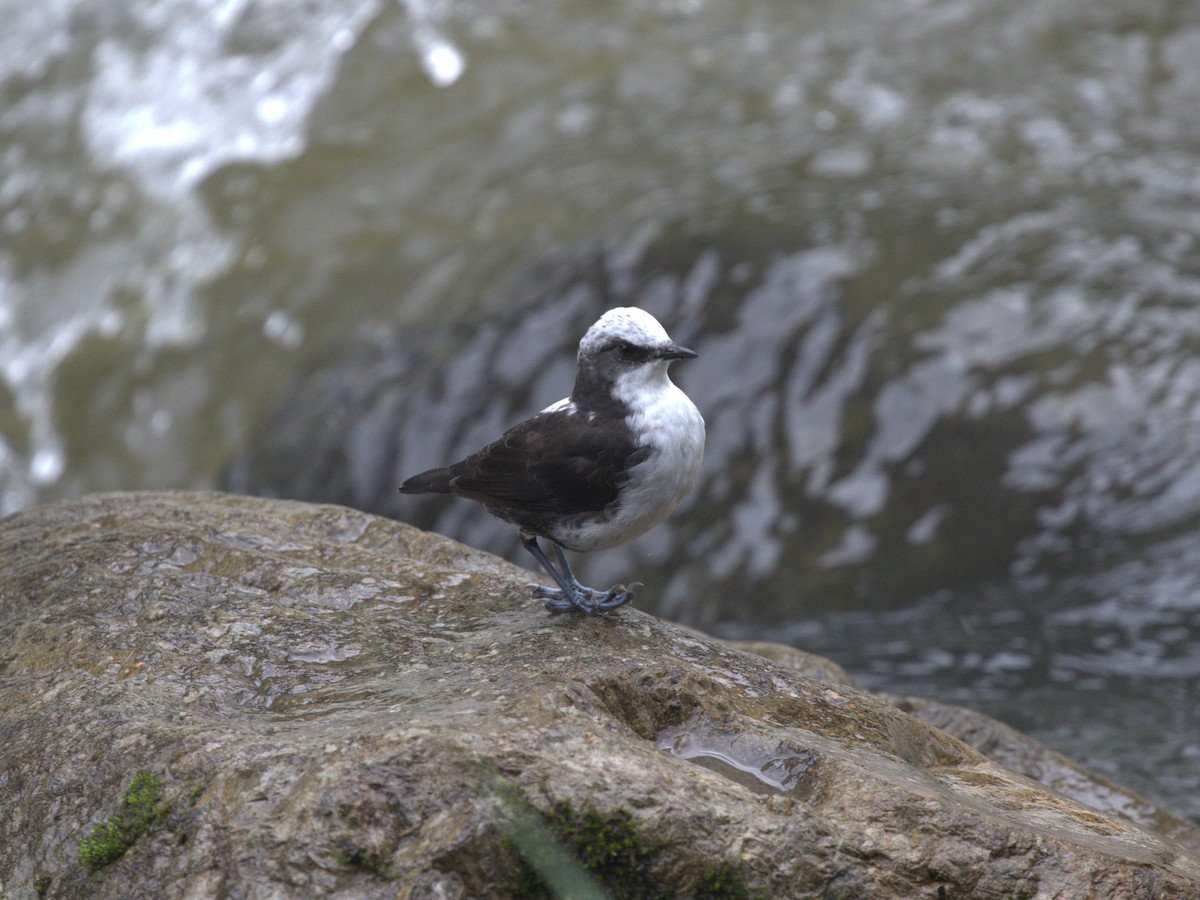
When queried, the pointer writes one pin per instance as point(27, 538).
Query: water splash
point(442, 61)
point(177, 92)
point(217, 81)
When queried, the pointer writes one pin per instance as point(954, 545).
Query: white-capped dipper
point(595, 469)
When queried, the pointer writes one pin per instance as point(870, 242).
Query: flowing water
point(939, 258)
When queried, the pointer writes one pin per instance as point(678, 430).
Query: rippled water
point(938, 257)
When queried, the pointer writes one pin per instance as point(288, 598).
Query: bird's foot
point(617, 595)
point(586, 600)
point(556, 600)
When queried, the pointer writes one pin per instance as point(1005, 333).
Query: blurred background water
point(939, 258)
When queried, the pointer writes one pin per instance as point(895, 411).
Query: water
point(743, 758)
point(938, 259)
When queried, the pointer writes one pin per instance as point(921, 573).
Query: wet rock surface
point(338, 704)
point(1021, 754)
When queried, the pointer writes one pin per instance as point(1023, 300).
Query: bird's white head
point(625, 323)
point(626, 352)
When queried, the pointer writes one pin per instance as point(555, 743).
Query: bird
point(598, 468)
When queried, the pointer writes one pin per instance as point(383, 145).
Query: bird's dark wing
point(555, 464)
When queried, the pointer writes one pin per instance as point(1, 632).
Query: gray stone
point(341, 705)
point(1022, 754)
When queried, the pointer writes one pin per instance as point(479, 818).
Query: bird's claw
point(587, 600)
point(618, 595)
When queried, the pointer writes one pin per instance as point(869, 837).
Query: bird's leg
point(570, 594)
point(617, 595)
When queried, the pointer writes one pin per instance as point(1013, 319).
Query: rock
point(1025, 756)
point(341, 705)
point(808, 664)
point(1004, 745)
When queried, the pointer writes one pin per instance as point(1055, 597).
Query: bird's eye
point(627, 350)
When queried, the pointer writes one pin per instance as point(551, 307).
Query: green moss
point(612, 856)
point(545, 865)
point(41, 884)
point(140, 810)
point(723, 882)
point(194, 794)
point(353, 856)
point(608, 846)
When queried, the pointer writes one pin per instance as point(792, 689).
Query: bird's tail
point(435, 481)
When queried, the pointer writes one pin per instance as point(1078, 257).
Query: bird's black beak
point(674, 351)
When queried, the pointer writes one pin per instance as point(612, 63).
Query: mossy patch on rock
point(610, 849)
point(42, 882)
point(141, 809)
point(353, 856)
point(607, 847)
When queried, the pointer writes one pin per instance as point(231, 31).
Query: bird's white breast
point(666, 422)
